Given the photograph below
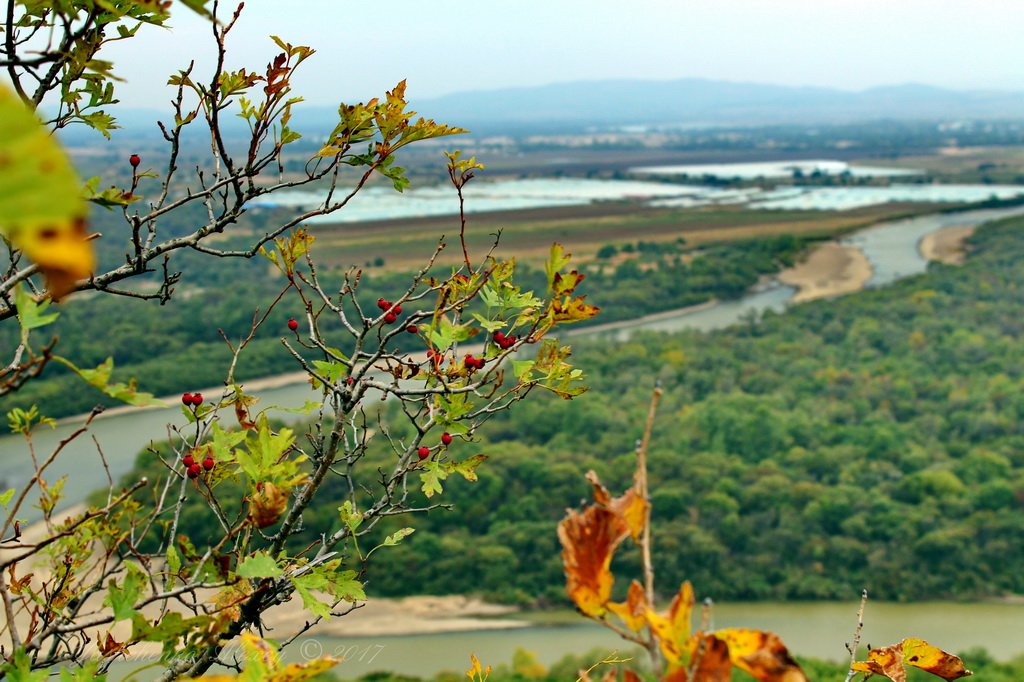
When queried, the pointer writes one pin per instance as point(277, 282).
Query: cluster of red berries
point(473, 363)
point(193, 468)
point(504, 342)
point(191, 399)
point(293, 324)
point(393, 311)
point(423, 451)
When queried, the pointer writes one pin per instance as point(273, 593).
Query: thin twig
point(852, 647)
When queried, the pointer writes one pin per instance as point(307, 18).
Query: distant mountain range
point(686, 102)
point(695, 101)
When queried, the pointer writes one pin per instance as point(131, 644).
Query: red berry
point(412, 329)
point(446, 438)
point(134, 160)
point(188, 460)
point(423, 452)
point(499, 338)
point(208, 463)
point(194, 470)
point(383, 303)
point(390, 318)
point(197, 399)
point(397, 310)
point(186, 398)
point(293, 324)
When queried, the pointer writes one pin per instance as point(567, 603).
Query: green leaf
point(121, 598)
point(431, 476)
point(345, 585)
point(467, 467)
point(88, 672)
point(489, 325)
point(19, 669)
point(125, 392)
point(168, 630)
point(522, 369)
point(100, 121)
point(304, 585)
point(332, 371)
point(259, 565)
point(397, 536)
point(31, 314)
point(308, 407)
point(173, 560)
point(5, 498)
point(444, 334)
point(557, 260)
point(350, 516)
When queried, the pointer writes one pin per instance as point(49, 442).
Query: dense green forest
point(873, 440)
point(179, 347)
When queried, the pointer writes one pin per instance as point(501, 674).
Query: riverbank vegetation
point(524, 667)
point(170, 350)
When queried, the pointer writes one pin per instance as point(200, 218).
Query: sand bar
point(831, 269)
point(945, 245)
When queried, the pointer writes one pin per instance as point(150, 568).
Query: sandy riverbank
point(945, 245)
point(831, 269)
point(376, 617)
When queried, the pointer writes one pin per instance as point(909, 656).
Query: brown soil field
point(528, 234)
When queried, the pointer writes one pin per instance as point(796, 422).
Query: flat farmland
point(528, 234)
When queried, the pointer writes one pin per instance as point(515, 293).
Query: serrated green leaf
point(31, 314)
point(431, 476)
point(125, 392)
point(304, 585)
point(121, 598)
point(557, 260)
point(19, 669)
point(489, 325)
point(350, 516)
point(259, 565)
point(522, 369)
point(467, 467)
point(444, 334)
point(5, 497)
point(397, 536)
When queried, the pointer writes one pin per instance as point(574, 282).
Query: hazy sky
point(445, 46)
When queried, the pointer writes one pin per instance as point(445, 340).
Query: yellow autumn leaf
point(679, 613)
point(630, 506)
point(589, 539)
point(632, 610)
point(892, 661)
point(42, 211)
point(762, 655)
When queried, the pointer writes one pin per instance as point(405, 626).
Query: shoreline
point(946, 245)
point(831, 269)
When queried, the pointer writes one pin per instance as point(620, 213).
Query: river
point(811, 629)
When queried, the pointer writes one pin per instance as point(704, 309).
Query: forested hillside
point(180, 347)
point(874, 440)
